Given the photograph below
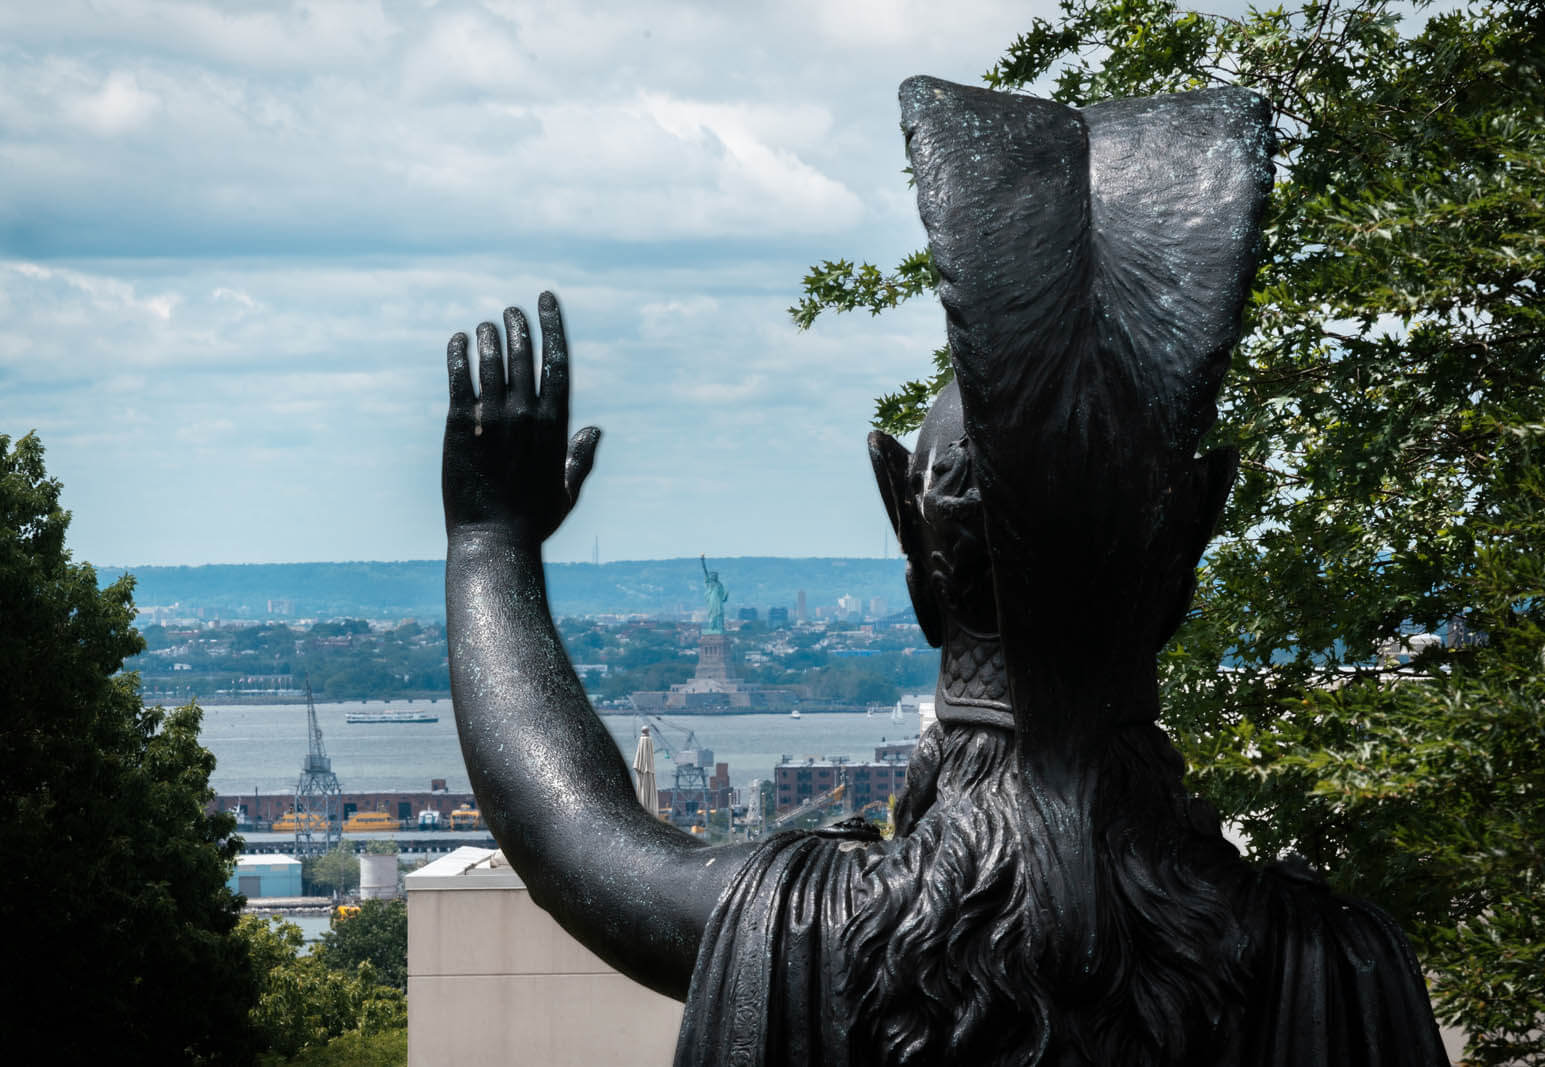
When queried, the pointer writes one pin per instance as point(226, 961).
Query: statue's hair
point(1014, 918)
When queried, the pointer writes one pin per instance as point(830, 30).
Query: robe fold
point(1333, 981)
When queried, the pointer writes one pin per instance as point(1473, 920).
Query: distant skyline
point(233, 245)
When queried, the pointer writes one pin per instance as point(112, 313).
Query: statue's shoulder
point(1335, 978)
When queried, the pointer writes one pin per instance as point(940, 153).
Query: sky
point(234, 240)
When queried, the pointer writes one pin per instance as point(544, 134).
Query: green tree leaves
point(837, 285)
point(332, 872)
point(305, 1003)
point(115, 898)
point(1388, 406)
point(377, 935)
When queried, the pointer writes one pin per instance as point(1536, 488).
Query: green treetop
point(1388, 406)
point(114, 899)
point(378, 935)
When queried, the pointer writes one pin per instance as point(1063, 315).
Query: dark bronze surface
point(1052, 895)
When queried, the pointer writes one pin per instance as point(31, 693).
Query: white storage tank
point(377, 877)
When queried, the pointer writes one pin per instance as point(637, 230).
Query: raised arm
point(548, 777)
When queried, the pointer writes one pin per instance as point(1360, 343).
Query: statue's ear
point(889, 458)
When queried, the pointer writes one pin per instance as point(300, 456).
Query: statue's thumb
point(580, 459)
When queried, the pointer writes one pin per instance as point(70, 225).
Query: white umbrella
point(643, 767)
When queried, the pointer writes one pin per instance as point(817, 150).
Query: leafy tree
point(652, 676)
point(340, 628)
point(1388, 407)
point(120, 926)
point(354, 1048)
point(305, 1004)
point(378, 935)
point(332, 872)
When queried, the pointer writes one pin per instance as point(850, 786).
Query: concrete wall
point(492, 979)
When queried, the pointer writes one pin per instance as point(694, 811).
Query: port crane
point(692, 766)
point(318, 796)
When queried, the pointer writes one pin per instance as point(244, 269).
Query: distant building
point(777, 618)
point(895, 752)
point(877, 607)
point(747, 615)
point(867, 783)
point(259, 877)
point(532, 994)
point(848, 607)
point(263, 683)
point(688, 802)
point(715, 686)
point(800, 614)
point(255, 809)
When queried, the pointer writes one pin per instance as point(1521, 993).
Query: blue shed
point(257, 877)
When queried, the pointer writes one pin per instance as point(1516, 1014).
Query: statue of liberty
point(713, 592)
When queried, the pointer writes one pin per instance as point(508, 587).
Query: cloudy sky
point(235, 238)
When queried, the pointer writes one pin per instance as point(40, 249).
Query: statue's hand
point(508, 460)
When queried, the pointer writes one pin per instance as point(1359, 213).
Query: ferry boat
point(289, 822)
point(366, 821)
point(392, 716)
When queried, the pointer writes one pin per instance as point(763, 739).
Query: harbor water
point(260, 747)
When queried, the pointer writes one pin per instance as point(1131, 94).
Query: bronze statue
point(1052, 896)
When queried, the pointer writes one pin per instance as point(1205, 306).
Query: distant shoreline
point(403, 589)
point(228, 700)
point(435, 699)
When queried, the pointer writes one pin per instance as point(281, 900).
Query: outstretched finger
point(490, 365)
point(462, 397)
point(581, 458)
point(555, 360)
point(520, 377)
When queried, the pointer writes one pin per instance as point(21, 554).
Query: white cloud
point(328, 393)
point(236, 295)
point(74, 299)
point(719, 394)
point(285, 37)
point(237, 238)
point(119, 106)
point(205, 432)
point(667, 318)
point(464, 54)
